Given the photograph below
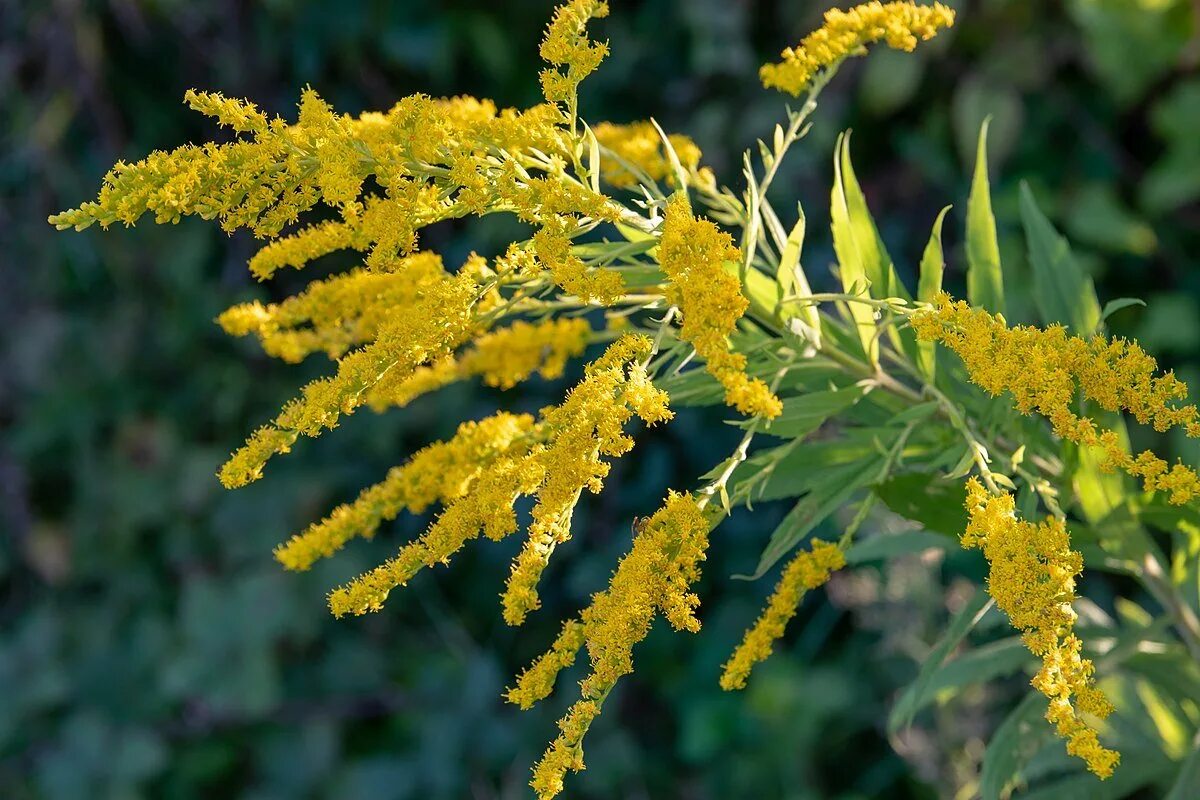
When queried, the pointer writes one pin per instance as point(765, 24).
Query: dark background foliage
point(150, 646)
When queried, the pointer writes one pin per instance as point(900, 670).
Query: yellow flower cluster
point(440, 473)
point(1032, 571)
point(566, 45)
point(435, 160)
point(1046, 369)
point(336, 314)
point(693, 252)
point(555, 461)
point(436, 321)
point(808, 570)
point(638, 154)
point(847, 33)
point(502, 358)
point(654, 578)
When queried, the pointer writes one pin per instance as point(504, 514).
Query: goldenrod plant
point(689, 293)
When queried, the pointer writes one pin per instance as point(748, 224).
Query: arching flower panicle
point(846, 33)
point(692, 253)
point(808, 570)
point(1031, 576)
point(655, 577)
point(440, 473)
point(1045, 370)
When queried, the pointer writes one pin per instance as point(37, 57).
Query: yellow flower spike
point(507, 357)
point(336, 314)
point(436, 322)
point(302, 247)
point(588, 425)
point(240, 115)
point(566, 45)
point(654, 577)
point(1045, 369)
point(847, 33)
point(808, 570)
point(1031, 576)
point(553, 459)
point(692, 252)
point(442, 472)
point(537, 682)
point(486, 509)
point(639, 145)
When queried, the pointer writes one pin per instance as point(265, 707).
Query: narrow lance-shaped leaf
point(985, 281)
point(851, 263)
point(961, 624)
point(933, 263)
point(794, 283)
point(1062, 291)
point(877, 264)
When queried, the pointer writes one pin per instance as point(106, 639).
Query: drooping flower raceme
point(1032, 571)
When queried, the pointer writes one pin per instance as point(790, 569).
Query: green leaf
point(826, 496)
point(922, 497)
point(877, 264)
point(1187, 781)
point(985, 281)
point(1113, 306)
point(1062, 291)
point(804, 414)
point(933, 263)
point(852, 262)
point(883, 547)
point(914, 696)
point(793, 282)
point(1009, 744)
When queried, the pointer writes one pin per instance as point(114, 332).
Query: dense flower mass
point(639, 156)
point(654, 578)
point(1032, 578)
point(1046, 370)
point(808, 570)
point(653, 290)
point(693, 253)
point(846, 33)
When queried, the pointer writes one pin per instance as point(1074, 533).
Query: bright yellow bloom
point(335, 314)
point(559, 458)
point(692, 252)
point(808, 570)
point(655, 577)
point(1046, 369)
point(430, 327)
point(1032, 571)
point(587, 426)
point(503, 358)
point(847, 33)
point(566, 45)
point(638, 151)
point(309, 244)
point(440, 473)
point(537, 682)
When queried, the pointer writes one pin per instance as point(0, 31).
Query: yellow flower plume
point(847, 33)
point(1046, 369)
point(808, 570)
point(1032, 571)
point(692, 252)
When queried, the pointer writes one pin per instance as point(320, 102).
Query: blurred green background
point(150, 646)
